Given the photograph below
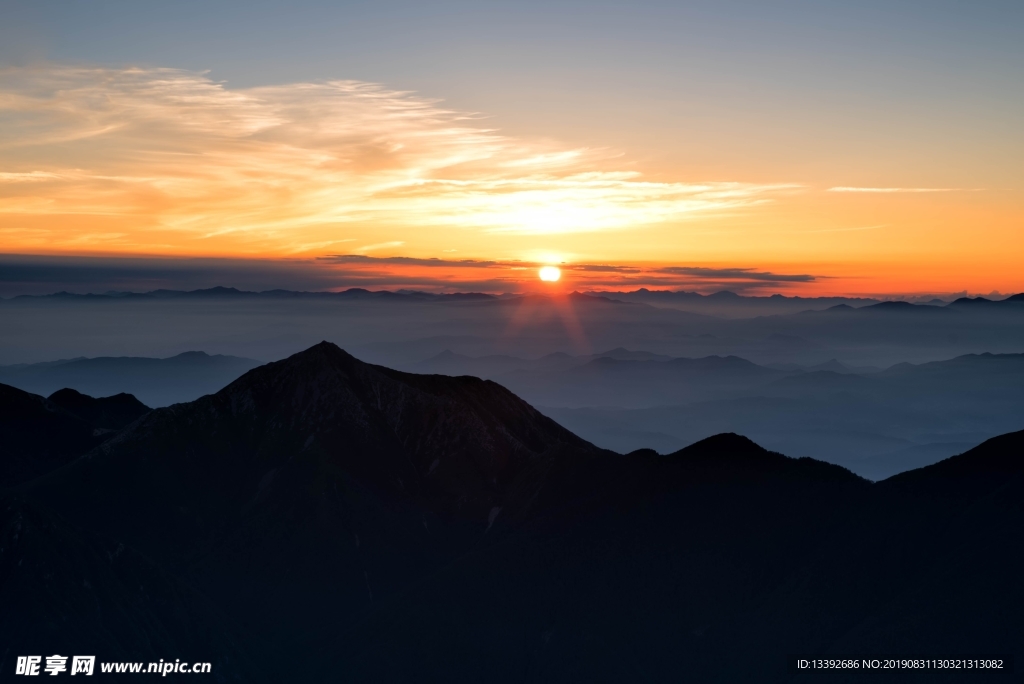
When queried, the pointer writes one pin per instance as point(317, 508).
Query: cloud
point(170, 161)
point(886, 190)
point(380, 245)
point(410, 261)
point(25, 274)
point(737, 274)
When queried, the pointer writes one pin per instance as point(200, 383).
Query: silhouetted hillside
point(310, 488)
point(38, 434)
point(716, 565)
point(66, 591)
point(928, 564)
point(322, 518)
point(106, 413)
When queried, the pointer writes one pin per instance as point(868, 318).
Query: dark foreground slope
point(306, 491)
point(64, 590)
point(327, 519)
point(716, 563)
point(38, 434)
point(624, 584)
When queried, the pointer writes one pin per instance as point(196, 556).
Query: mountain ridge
point(400, 527)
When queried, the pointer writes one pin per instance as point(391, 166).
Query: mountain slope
point(621, 583)
point(104, 413)
point(37, 435)
point(350, 520)
point(69, 592)
point(309, 488)
point(929, 564)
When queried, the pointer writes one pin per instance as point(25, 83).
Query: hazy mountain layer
point(401, 329)
point(876, 424)
point(157, 382)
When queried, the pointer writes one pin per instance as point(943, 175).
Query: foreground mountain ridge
point(322, 515)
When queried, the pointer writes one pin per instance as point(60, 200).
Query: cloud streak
point(33, 274)
point(170, 161)
point(843, 188)
point(737, 274)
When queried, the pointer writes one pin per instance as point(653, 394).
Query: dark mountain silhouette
point(622, 583)
point(38, 434)
point(732, 305)
point(310, 488)
point(73, 592)
point(985, 302)
point(712, 565)
point(156, 382)
point(928, 564)
point(324, 518)
point(105, 413)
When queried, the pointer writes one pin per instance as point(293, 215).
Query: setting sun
point(550, 273)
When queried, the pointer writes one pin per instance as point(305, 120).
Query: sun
point(550, 273)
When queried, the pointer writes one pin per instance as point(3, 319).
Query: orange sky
point(161, 162)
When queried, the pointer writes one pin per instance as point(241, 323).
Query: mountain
point(985, 302)
point(718, 561)
point(321, 517)
point(38, 434)
point(156, 382)
point(72, 592)
point(310, 488)
point(104, 413)
point(400, 329)
point(619, 585)
point(731, 305)
point(877, 424)
point(925, 566)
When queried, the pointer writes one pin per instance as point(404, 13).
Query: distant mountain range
point(737, 303)
point(873, 421)
point(323, 518)
point(157, 382)
point(400, 328)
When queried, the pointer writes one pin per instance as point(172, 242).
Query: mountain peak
point(456, 446)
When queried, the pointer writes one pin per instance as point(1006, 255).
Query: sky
point(868, 148)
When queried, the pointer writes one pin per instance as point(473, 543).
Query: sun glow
point(550, 273)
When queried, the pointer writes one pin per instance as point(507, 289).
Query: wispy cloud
point(170, 160)
point(843, 188)
point(25, 274)
point(737, 274)
point(380, 245)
